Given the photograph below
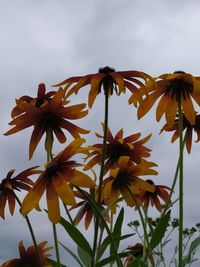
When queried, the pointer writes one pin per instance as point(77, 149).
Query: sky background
point(48, 41)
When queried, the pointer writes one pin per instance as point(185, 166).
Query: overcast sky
point(48, 41)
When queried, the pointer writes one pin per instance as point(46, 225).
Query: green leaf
point(106, 242)
point(77, 236)
point(72, 254)
point(137, 263)
point(54, 263)
point(85, 257)
point(195, 243)
point(160, 230)
point(109, 259)
point(118, 227)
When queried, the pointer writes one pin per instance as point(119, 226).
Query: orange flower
point(119, 146)
point(86, 209)
point(145, 197)
point(188, 128)
point(171, 87)
point(111, 80)
point(134, 251)
point(9, 184)
point(56, 180)
point(38, 101)
point(50, 118)
point(28, 257)
point(124, 180)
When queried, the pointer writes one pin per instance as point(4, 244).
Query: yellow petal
point(52, 204)
point(123, 161)
point(82, 179)
point(188, 110)
point(63, 190)
point(33, 197)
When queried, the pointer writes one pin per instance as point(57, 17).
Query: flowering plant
point(110, 175)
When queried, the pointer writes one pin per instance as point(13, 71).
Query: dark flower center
point(108, 83)
point(49, 119)
point(177, 87)
point(52, 168)
point(150, 181)
point(116, 150)
point(122, 181)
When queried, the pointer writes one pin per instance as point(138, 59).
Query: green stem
point(180, 118)
point(96, 228)
point(167, 205)
point(146, 250)
point(31, 230)
point(100, 216)
point(68, 214)
point(111, 230)
point(56, 244)
point(49, 158)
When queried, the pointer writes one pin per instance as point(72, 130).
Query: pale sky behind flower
point(48, 41)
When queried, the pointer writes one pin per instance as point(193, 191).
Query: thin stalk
point(30, 229)
point(96, 228)
point(100, 216)
point(111, 230)
point(68, 214)
point(167, 205)
point(180, 242)
point(49, 158)
point(56, 244)
point(99, 244)
point(146, 239)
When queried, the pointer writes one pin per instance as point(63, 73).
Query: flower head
point(188, 127)
point(38, 101)
point(118, 146)
point(50, 117)
point(86, 209)
point(9, 184)
point(172, 88)
point(134, 251)
point(146, 197)
point(110, 80)
point(29, 257)
point(123, 180)
point(57, 179)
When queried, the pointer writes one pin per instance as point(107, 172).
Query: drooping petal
point(63, 190)
point(71, 149)
point(161, 108)
point(52, 204)
point(188, 138)
point(11, 202)
point(188, 109)
point(123, 162)
point(2, 205)
point(171, 111)
point(82, 179)
point(35, 139)
point(32, 199)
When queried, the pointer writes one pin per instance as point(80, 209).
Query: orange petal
point(2, 205)
point(82, 179)
point(63, 190)
point(161, 108)
point(123, 162)
point(11, 203)
point(35, 139)
point(188, 109)
point(33, 197)
point(94, 91)
point(52, 204)
point(171, 111)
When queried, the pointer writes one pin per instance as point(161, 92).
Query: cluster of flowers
point(125, 160)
